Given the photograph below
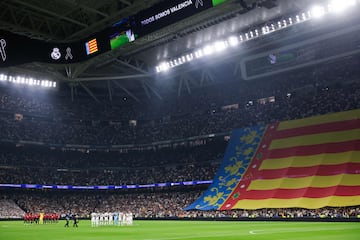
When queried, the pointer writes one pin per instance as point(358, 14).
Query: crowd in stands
point(9, 209)
point(332, 88)
point(297, 95)
point(152, 204)
point(108, 176)
point(210, 150)
point(327, 212)
point(41, 166)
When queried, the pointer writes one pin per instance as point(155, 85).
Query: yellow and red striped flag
point(307, 163)
point(91, 46)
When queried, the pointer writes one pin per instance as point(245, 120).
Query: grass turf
point(177, 230)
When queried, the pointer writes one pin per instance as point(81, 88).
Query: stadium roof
point(131, 67)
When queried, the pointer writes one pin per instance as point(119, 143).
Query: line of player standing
point(106, 219)
point(40, 218)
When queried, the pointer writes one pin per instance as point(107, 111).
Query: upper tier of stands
point(327, 88)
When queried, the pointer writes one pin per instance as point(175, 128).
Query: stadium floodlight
point(199, 53)
point(303, 15)
point(208, 50)
point(233, 41)
point(181, 61)
point(189, 57)
point(3, 77)
point(164, 66)
point(284, 23)
point(220, 46)
point(264, 30)
point(27, 81)
point(317, 11)
point(339, 6)
point(272, 27)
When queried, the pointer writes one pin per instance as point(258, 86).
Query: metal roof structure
point(131, 67)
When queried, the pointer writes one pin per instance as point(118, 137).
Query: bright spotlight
point(317, 11)
point(233, 41)
point(220, 46)
point(338, 6)
point(164, 66)
point(189, 57)
point(199, 53)
point(208, 50)
point(263, 29)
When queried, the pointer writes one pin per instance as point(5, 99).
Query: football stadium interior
point(179, 119)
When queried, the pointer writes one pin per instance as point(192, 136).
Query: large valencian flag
point(307, 163)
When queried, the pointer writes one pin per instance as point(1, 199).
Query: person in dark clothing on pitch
point(67, 219)
point(76, 220)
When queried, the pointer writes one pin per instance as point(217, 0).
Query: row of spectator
point(151, 205)
point(300, 104)
point(210, 151)
point(315, 90)
point(46, 176)
point(31, 165)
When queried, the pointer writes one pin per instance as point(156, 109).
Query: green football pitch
point(161, 230)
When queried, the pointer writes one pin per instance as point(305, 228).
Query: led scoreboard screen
point(168, 12)
point(16, 49)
